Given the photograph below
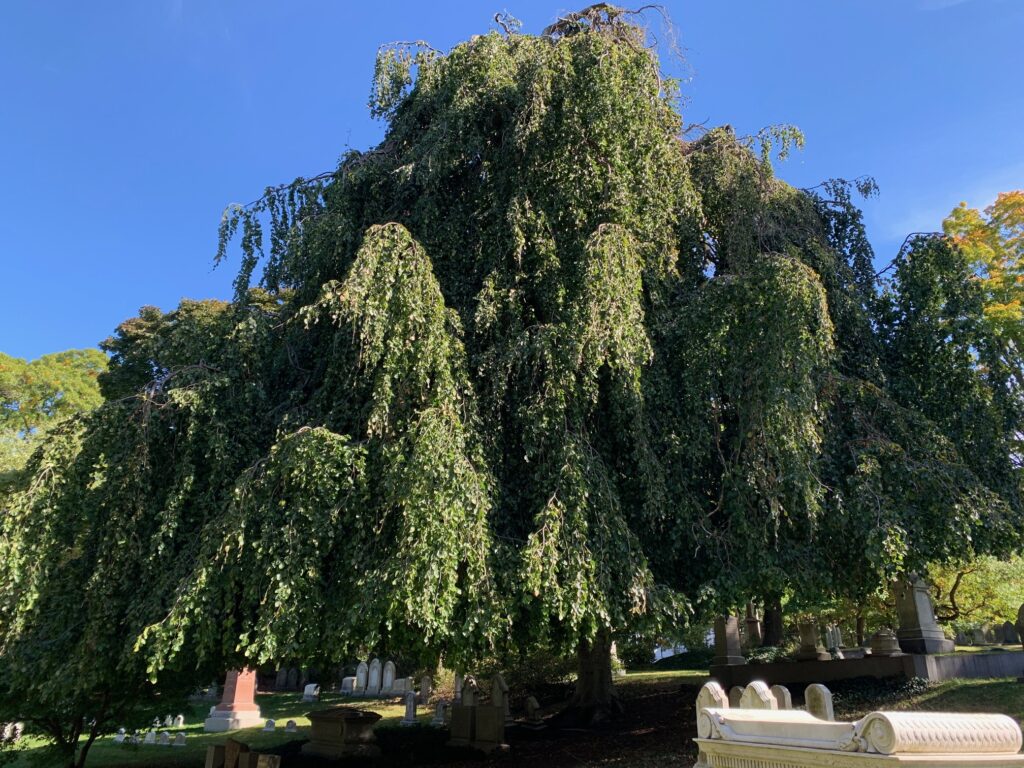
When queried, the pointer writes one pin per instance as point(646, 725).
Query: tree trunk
point(861, 626)
point(772, 622)
point(595, 700)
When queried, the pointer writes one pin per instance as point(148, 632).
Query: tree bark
point(772, 622)
point(861, 627)
point(595, 700)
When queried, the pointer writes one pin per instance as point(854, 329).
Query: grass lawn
point(280, 707)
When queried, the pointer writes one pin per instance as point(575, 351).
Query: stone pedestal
point(811, 648)
point(918, 631)
point(237, 708)
point(884, 643)
point(727, 642)
point(340, 732)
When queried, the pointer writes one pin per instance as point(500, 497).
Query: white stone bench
point(730, 737)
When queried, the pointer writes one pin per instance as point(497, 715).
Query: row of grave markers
point(375, 679)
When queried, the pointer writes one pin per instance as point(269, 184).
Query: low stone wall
point(937, 667)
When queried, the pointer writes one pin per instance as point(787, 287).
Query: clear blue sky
point(125, 127)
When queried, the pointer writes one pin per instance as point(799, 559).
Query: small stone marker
point(735, 694)
point(499, 696)
point(168, 721)
point(757, 696)
point(782, 696)
point(270, 727)
point(348, 685)
point(818, 699)
point(311, 693)
point(179, 721)
point(811, 648)
point(164, 739)
point(410, 709)
point(291, 727)
point(119, 737)
point(440, 714)
point(150, 738)
point(179, 740)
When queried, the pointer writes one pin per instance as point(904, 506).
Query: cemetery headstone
point(387, 684)
point(469, 691)
point(811, 648)
point(500, 698)
point(164, 739)
point(978, 636)
point(238, 708)
point(270, 727)
point(755, 635)
point(410, 709)
point(290, 727)
point(373, 681)
point(426, 688)
point(150, 737)
point(918, 632)
point(311, 693)
point(119, 737)
point(362, 673)
point(1020, 623)
point(458, 688)
point(348, 686)
point(533, 710)
point(757, 696)
point(727, 642)
point(179, 721)
point(168, 721)
point(179, 740)
point(818, 699)
point(782, 697)
point(439, 714)
point(1000, 634)
point(292, 679)
point(233, 750)
point(1010, 634)
point(735, 694)
point(884, 643)
point(281, 681)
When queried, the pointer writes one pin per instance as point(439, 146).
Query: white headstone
point(270, 726)
point(179, 721)
point(757, 695)
point(387, 683)
point(373, 681)
point(212, 710)
point(348, 686)
point(311, 693)
point(711, 696)
point(164, 739)
point(290, 727)
point(150, 738)
point(120, 736)
point(410, 709)
point(179, 740)
point(735, 694)
point(362, 672)
point(818, 699)
point(783, 698)
point(168, 721)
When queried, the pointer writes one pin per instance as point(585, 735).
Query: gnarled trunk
point(595, 699)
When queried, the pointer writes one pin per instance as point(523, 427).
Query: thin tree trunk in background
point(772, 622)
point(861, 626)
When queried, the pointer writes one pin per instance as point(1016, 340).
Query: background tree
point(36, 395)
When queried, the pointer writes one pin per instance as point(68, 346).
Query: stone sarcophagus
point(729, 737)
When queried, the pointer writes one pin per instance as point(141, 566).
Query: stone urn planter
point(342, 731)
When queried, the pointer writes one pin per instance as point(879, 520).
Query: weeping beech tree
point(534, 371)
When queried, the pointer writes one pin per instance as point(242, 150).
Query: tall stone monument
point(918, 631)
point(727, 642)
point(755, 635)
point(237, 708)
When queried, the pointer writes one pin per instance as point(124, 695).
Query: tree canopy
point(536, 369)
